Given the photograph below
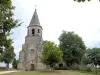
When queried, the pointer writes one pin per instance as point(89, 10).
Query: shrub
point(65, 68)
point(82, 68)
point(15, 63)
point(74, 67)
point(60, 67)
point(89, 69)
point(26, 69)
point(56, 67)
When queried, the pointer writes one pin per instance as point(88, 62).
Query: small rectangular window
point(38, 31)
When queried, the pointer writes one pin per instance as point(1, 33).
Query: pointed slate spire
point(35, 19)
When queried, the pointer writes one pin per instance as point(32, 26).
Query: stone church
point(29, 56)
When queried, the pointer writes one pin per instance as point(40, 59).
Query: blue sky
point(58, 15)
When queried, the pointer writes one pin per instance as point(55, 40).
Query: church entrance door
point(32, 67)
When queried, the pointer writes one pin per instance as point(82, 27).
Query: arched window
point(38, 31)
point(33, 32)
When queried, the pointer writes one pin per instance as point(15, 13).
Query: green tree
point(15, 63)
point(8, 54)
point(51, 54)
point(82, 0)
point(85, 60)
point(73, 48)
point(7, 23)
point(94, 56)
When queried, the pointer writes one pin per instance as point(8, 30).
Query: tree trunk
point(96, 69)
point(7, 64)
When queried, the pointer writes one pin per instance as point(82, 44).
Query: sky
point(58, 15)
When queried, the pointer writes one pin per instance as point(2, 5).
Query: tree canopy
point(94, 56)
point(72, 46)
point(15, 63)
point(8, 56)
point(82, 0)
point(7, 23)
point(51, 54)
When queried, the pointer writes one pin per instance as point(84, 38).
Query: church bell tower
point(29, 56)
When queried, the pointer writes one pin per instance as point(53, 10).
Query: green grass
point(63, 72)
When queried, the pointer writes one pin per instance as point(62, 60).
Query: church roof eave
point(35, 25)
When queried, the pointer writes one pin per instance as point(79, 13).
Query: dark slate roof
point(35, 19)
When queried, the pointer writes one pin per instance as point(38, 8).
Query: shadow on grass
point(50, 71)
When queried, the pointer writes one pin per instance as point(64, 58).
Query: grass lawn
point(63, 72)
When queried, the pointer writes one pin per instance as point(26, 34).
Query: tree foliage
point(82, 0)
point(85, 60)
point(72, 46)
point(7, 23)
point(94, 56)
point(8, 54)
point(15, 63)
point(51, 54)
